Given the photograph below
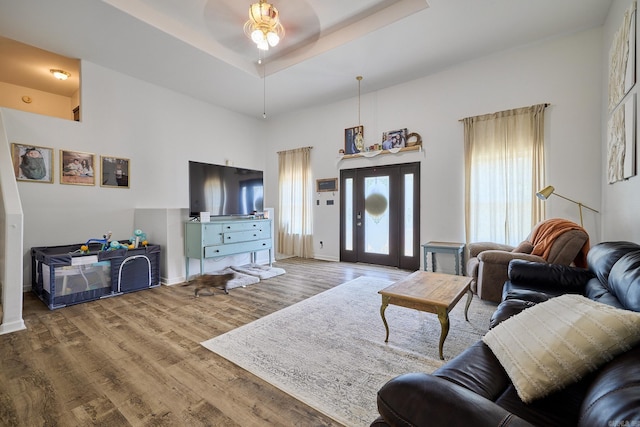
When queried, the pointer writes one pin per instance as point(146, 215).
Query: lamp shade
point(545, 192)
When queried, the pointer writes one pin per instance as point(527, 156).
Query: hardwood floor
point(136, 359)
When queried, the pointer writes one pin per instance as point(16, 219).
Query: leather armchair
point(554, 241)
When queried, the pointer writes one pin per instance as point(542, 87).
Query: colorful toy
point(117, 245)
point(138, 238)
point(106, 238)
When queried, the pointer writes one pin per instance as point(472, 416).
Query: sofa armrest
point(554, 277)
point(477, 247)
point(504, 257)
point(419, 399)
point(614, 395)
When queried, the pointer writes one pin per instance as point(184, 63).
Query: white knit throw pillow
point(555, 343)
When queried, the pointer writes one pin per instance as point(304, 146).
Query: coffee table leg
point(466, 307)
point(443, 316)
point(383, 307)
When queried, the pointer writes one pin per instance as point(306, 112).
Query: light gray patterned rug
point(329, 351)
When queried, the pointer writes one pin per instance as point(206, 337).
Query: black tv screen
point(224, 190)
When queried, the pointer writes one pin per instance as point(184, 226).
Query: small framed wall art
point(32, 163)
point(77, 168)
point(327, 184)
point(115, 172)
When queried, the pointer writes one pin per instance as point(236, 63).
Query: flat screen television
point(224, 190)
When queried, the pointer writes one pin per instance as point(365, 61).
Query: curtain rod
point(284, 151)
point(545, 106)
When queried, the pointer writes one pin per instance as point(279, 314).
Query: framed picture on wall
point(77, 168)
point(327, 184)
point(115, 172)
point(32, 163)
point(394, 139)
point(354, 140)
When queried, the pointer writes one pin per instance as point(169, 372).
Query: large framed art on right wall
point(622, 156)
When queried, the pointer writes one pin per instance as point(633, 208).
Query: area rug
point(261, 271)
point(329, 352)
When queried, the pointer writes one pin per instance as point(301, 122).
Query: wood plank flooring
point(136, 359)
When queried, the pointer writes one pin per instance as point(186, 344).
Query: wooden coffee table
point(430, 292)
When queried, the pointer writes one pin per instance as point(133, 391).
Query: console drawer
point(236, 248)
point(246, 236)
point(242, 226)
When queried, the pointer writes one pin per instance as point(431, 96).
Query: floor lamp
point(549, 190)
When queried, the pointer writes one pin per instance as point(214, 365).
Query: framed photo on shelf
point(352, 142)
point(394, 139)
point(327, 184)
point(32, 163)
point(115, 172)
point(77, 168)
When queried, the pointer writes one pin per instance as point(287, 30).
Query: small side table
point(457, 249)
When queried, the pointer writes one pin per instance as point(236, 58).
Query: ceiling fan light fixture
point(273, 39)
point(60, 74)
point(263, 45)
point(264, 27)
point(257, 36)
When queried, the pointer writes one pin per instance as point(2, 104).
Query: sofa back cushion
point(596, 291)
point(602, 256)
point(567, 246)
point(624, 280)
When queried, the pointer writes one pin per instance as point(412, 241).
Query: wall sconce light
point(549, 190)
point(60, 74)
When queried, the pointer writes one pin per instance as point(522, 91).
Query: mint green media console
point(220, 238)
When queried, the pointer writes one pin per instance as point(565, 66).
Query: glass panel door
point(380, 215)
point(376, 214)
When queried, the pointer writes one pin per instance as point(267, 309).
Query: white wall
point(157, 129)
point(620, 201)
point(565, 73)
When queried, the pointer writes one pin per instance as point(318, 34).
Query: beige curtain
point(295, 224)
point(504, 167)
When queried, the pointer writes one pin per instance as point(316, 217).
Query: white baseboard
point(6, 328)
point(327, 258)
point(170, 282)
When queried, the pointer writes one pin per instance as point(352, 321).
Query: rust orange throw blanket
point(548, 231)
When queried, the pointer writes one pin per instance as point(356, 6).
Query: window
point(504, 168)
point(295, 225)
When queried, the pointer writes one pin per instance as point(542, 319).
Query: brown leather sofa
point(474, 390)
point(488, 262)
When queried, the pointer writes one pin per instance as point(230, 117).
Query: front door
point(380, 215)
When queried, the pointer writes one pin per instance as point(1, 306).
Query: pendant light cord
point(264, 83)
point(359, 78)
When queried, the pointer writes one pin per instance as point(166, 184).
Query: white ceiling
point(197, 47)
